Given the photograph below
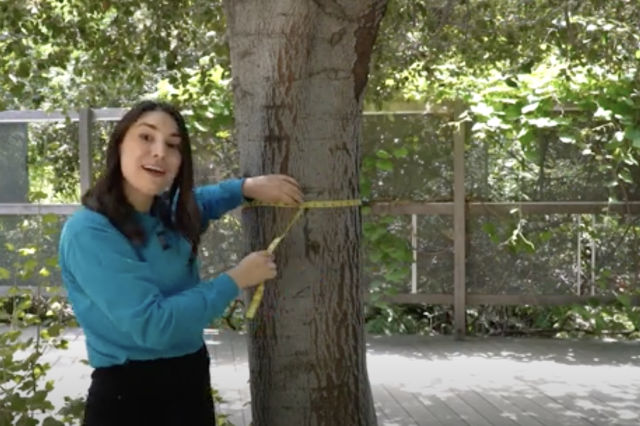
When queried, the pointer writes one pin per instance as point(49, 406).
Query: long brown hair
point(107, 196)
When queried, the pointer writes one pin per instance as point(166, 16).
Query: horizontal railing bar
point(554, 207)
point(114, 114)
point(503, 299)
point(108, 114)
point(5, 290)
point(436, 299)
point(28, 116)
point(505, 208)
point(36, 116)
point(426, 112)
point(9, 209)
point(413, 207)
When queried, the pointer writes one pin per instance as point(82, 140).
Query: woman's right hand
point(254, 269)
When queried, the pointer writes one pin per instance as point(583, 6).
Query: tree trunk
point(299, 71)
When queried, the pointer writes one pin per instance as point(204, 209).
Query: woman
point(129, 264)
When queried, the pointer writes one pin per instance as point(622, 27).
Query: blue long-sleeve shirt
point(146, 302)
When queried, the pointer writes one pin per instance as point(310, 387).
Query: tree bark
point(299, 71)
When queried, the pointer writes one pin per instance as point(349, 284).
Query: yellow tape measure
point(259, 293)
point(309, 204)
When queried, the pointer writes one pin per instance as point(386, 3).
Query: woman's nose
point(159, 149)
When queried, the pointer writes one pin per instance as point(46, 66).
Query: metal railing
point(460, 209)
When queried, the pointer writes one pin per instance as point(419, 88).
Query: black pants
point(164, 392)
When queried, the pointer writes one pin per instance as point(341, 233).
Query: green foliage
point(222, 419)
point(71, 54)
point(508, 36)
point(25, 388)
point(388, 253)
point(562, 110)
point(515, 111)
point(204, 95)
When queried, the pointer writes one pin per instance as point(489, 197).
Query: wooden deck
point(420, 381)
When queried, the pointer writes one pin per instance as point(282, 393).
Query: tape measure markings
point(309, 204)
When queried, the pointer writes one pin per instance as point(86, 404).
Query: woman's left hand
point(276, 189)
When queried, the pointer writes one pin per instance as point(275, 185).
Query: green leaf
point(13, 291)
point(511, 83)
point(30, 265)
point(384, 164)
point(365, 189)
point(603, 113)
point(496, 122)
point(625, 300)
point(50, 219)
point(24, 69)
point(381, 153)
point(530, 108)
point(400, 152)
point(567, 139)
point(482, 109)
point(38, 196)
point(27, 251)
point(526, 136)
point(51, 421)
point(543, 122)
point(512, 112)
point(633, 134)
point(368, 163)
point(397, 275)
point(4, 274)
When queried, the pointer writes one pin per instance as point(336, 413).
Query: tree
point(299, 70)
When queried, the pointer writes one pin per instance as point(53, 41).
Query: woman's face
point(150, 157)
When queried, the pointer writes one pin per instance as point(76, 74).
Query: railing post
point(414, 247)
point(579, 257)
point(85, 117)
point(594, 248)
point(459, 228)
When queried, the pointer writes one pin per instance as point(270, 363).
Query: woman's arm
point(109, 273)
point(216, 200)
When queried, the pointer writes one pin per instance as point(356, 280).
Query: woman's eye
point(173, 145)
point(145, 137)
